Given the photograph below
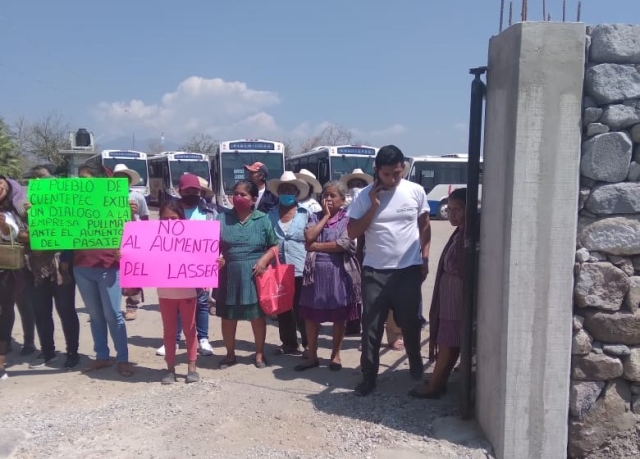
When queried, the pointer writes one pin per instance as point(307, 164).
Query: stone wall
point(605, 374)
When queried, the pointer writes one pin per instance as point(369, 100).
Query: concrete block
point(530, 197)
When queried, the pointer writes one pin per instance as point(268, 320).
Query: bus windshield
point(344, 165)
point(233, 166)
point(179, 168)
point(138, 165)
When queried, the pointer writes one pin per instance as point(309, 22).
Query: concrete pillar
point(530, 198)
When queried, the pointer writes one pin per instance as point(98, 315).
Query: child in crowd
point(174, 301)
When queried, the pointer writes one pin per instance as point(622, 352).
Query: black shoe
point(27, 350)
point(43, 360)
point(71, 362)
point(365, 387)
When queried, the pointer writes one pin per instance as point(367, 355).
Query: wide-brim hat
point(356, 174)
point(204, 186)
point(289, 178)
point(310, 178)
point(134, 177)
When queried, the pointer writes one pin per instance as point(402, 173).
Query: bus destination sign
point(124, 154)
point(187, 156)
point(356, 151)
point(251, 146)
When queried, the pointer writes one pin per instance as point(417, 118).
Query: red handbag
point(276, 288)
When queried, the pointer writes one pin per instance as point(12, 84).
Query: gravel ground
point(623, 447)
point(241, 412)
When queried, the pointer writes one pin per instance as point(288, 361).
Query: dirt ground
point(241, 412)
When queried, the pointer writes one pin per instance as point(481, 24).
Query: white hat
point(357, 174)
point(288, 177)
point(204, 186)
point(308, 177)
point(134, 177)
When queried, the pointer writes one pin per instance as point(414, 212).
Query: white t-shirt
point(311, 205)
point(260, 194)
point(393, 238)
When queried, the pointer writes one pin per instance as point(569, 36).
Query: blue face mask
point(287, 199)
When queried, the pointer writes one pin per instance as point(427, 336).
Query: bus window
point(323, 170)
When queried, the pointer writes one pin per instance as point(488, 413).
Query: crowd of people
point(359, 247)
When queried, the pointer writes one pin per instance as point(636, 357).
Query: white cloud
point(223, 109)
point(198, 104)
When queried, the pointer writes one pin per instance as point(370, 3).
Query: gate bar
point(471, 242)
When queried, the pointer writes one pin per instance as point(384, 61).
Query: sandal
point(131, 314)
point(261, 364)
point(335, 366)
point(169, 378)
point(125, 370)
point(96, 365)
point(397, 345)
point(226, 363)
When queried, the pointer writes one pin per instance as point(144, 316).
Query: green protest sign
point(78, 213)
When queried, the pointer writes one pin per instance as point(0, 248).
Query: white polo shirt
point(393, 238)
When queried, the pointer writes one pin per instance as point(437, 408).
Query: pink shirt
point(176, 293)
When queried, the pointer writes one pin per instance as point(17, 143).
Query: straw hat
point(204, 186)
point(356, 174)
point(308, 177)
point(288, 177)
point(134, 177)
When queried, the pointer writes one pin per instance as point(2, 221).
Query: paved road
point(238, 413)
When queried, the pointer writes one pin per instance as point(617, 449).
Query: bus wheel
point(443, 212)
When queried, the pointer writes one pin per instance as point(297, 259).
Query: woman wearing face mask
point(289, 220)
point(246, 243)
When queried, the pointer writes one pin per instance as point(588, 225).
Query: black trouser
point(400, 291)
point(42, 298)
point(24, 281)
point(7, 313)
point(289, 321)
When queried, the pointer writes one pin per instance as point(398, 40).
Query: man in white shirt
point(393, 216)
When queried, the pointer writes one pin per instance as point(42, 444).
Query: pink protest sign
point(170, 253)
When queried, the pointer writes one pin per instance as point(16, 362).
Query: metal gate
point(471, 244)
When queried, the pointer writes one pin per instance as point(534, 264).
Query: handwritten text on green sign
point(78, 213)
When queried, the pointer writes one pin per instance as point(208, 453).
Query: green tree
point(10, 161)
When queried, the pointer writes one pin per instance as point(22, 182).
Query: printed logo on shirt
point(405, 207)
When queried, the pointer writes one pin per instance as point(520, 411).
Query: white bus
point(135, 160)
point(230, 158)
point(331, 163)
point(440, 175)
point(166, 168)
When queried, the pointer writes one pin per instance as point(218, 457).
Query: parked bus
point(166, 168)
point(440, 175)
point(331, 163)
point(135, 160)
point(231, 157)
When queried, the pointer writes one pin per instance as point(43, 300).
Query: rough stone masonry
point(605, 376)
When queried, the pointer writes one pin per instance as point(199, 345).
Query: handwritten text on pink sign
point(170, 253)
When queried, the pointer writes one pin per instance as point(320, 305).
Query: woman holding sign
point(246, 240)
point(97, 274)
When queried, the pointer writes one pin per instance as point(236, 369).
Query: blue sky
point(392, 72)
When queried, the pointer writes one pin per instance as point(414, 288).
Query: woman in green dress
point(246, 240)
